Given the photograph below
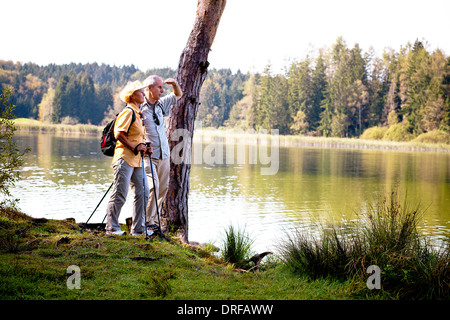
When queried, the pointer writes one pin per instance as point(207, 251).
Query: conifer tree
point(318, 87)
point(60, 99)
point(87, 104)
point(300, 95)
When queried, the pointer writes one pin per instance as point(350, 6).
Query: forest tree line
point(334, 92)
point(342, 91)
point(70, 93)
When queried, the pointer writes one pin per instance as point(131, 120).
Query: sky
point(251, 34)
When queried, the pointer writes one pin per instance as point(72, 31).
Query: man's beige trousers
point(161, 169)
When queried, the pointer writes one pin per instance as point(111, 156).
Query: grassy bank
point(241, 136)
point(35, 255)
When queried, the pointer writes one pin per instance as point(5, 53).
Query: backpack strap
point(133, 118)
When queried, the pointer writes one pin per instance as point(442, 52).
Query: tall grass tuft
point(387, 236)
point(236, 246)
point(317, 256)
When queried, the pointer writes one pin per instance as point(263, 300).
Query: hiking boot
point(116, 233)
point(136, 234)
point(153, 228)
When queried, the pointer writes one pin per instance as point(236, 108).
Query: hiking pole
point(145, 207)
point(156, 197)
point(98, 206)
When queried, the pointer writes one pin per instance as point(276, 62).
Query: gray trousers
point(126, 176)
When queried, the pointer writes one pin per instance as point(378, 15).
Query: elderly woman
point(129, 132)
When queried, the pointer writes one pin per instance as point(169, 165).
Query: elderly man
point(154, 109)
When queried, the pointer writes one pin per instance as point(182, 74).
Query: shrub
point(398, 132)
point(11, 159)
point(374, 133)
point(69, 120)
point(435, 136)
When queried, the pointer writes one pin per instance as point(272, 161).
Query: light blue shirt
point(154, 134)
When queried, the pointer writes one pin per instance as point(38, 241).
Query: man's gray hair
point(151, 80)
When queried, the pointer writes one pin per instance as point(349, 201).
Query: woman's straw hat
point(129, 89)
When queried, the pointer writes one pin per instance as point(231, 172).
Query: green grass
point(34, 262)
point(33, 266)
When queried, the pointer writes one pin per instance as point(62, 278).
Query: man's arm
point(175, 86)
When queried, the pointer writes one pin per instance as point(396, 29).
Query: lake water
point(65, 176)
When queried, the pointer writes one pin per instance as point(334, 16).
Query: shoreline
point(249, 137)
point(151, 269)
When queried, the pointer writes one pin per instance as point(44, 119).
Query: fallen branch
point(256, 259)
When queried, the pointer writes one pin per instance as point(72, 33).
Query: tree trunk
point(192, 71)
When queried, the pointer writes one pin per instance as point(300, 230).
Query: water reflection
point(315, 184)
point(66, 176)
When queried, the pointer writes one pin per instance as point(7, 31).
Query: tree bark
point(192, 71)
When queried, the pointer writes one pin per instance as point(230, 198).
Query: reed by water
point(250, 136)
point(29, 125)
point(236, 246)
point(385, 236)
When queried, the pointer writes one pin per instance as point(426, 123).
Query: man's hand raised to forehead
point(171, 81)
point(175, 86)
